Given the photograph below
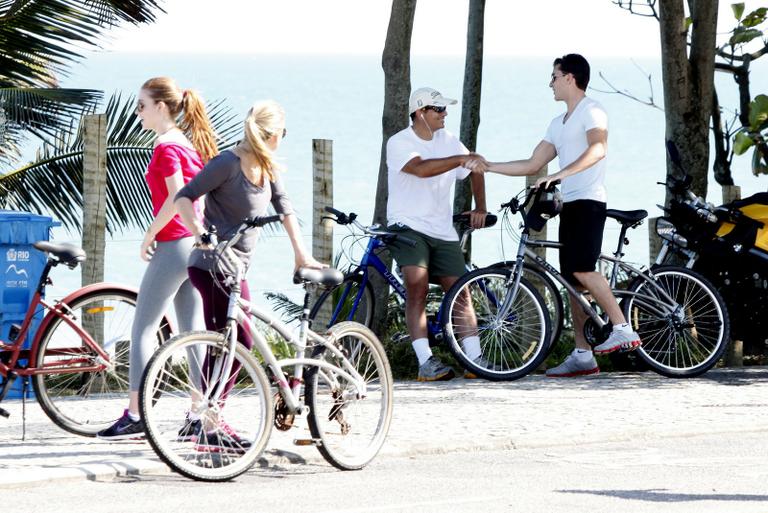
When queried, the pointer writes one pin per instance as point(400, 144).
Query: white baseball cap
point(425, 96)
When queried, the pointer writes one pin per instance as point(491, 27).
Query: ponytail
point(194, 119)
point(263, 121)
point(196, 124)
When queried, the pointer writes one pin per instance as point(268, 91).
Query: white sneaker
point(619, 341)
point(574, 366)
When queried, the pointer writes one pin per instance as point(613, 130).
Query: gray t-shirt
point(230, 198)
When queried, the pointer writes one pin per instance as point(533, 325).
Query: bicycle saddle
point(66, 253)
point(328, 277)
point(627, 217)
point(490, 219)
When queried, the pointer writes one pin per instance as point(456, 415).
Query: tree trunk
point(689, 83)
point(470, 103)
point(396, 63)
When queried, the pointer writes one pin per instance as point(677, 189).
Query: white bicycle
point(215, 429)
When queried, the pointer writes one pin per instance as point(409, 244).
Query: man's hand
point(546, 181)
point(476, 218)
point(476, 163)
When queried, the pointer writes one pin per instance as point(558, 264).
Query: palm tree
point(52, 184)
point(39, 39)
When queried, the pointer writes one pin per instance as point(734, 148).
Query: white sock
point(133, 416)
point(471, 346)
point(423, 352)
point(192, 415)
point(582, 354)
point(622, 327)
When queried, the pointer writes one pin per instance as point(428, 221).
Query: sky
point(512, 27)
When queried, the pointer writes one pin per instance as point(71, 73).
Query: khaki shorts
point(441, 257)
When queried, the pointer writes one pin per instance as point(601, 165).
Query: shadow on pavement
point(661, 495)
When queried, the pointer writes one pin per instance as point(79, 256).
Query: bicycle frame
point(57, 310)
point(524, 250)
point(239, 311)
point(370, 259)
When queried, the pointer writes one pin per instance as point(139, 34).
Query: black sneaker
point(190, 430)
point(123, 429)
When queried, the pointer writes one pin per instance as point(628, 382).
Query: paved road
point(535, 413)
point(701, 474)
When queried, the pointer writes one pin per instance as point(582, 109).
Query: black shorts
point(581, 233)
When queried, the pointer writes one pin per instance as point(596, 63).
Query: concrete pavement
point(455, 416)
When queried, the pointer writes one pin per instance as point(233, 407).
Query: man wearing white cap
point(423, 161)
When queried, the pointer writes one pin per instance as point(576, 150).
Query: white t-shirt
point(423, 204)
point(570, 141)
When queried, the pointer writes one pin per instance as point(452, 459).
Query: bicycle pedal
point(400, 338)
point(307, 441)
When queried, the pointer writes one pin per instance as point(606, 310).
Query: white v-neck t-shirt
point(423, 204)
point(570, 140)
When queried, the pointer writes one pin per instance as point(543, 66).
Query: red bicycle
point(78, 359)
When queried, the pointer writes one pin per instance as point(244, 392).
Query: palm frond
point(39, 39)
point(46, 113)
point(287, 308)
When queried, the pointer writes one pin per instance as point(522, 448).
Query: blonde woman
point(180, 152)
point(237, 184)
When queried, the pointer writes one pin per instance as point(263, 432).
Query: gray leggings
point(166, 279)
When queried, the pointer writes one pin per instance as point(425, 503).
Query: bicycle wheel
point(685, 342)
point(208, 448)
point(339, 303)
point(549, 292)
point(350, 429)
point(510, 347)
point(85, 401)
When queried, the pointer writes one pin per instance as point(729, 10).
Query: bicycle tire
point(512, 347)
point(350, 431)
point(347, 292)
point(107, 315)
point(207, 452)
point(687, 344)
point(548, 290)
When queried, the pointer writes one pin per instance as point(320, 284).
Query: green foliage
point(39, 40)
point(741, 143)
point(756, 17)
point(738, 10)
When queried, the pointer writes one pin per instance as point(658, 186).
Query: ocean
point(341, 97)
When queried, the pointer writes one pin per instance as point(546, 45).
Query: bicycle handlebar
point(464, 219)
point(257, 222)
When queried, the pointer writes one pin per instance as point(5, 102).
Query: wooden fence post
point(322, 196)
point(530, 181)
point(94, 196)
point(735, 355)
point(94, 209)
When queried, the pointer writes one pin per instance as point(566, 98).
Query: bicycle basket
point(546, 205)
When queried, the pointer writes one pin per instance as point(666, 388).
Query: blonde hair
point(194, 122)
point(263, 121)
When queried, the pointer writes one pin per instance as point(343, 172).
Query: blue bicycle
point(512, 346)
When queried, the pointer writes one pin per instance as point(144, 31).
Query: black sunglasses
point(437, 109)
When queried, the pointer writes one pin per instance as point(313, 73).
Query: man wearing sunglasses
point(579, 139)
point(424, 161)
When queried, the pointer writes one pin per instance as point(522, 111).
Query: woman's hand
point(307, 262)
point(147, 247)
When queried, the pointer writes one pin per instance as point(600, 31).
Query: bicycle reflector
point(546, 204)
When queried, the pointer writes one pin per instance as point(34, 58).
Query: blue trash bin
point(21, 266)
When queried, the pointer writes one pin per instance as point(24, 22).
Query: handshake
point(476, 163)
